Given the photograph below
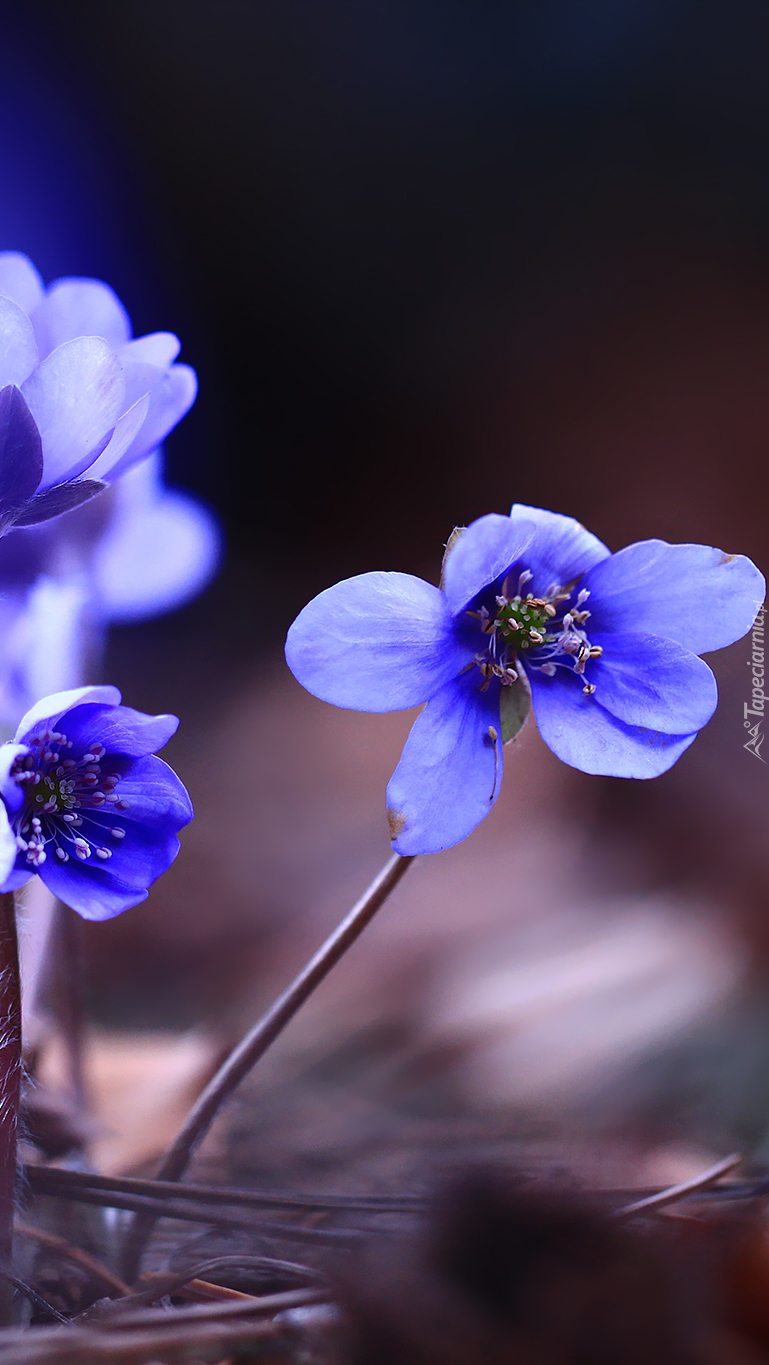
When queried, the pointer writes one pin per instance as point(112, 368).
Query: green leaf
point(514, 704)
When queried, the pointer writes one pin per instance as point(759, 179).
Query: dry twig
point(673, 1193)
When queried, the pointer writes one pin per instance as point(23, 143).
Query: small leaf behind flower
point(514, 705)
point(61, 498)
point(450, 543)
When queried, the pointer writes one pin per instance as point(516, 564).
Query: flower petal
point(562, 549)
point(18, 350)
point(80, 308)
point(126, 430)
point(155, 795)
point(484, 552)
point(171, 398)
point(450, 770)
point(158, 550)
point(21, 454)
point(75, 396)
point(694, 594)
point(586, 736)
point(18, 876)
point(8, 849)
point(378, 642)
point(119, 728)
point(20, 281)
point(138, 859)
point(157, 348)
point(645, 680)
point(93, 892)
point(50, 709)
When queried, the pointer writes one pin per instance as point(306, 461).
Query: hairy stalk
point(10, 1087)
point(256, 1042)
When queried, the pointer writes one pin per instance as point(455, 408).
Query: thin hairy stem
point(256, 1042)
point(10, 1085)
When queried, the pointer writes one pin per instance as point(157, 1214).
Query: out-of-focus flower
point(87, 803)
point(77, 395)
point(623, 696)
point(138, 551)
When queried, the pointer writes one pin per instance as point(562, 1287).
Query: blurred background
point(427, 259)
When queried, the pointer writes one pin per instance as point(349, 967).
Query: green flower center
point(522, 622)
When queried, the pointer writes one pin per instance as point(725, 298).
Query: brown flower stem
point(10, 1087)
point(256, 1042)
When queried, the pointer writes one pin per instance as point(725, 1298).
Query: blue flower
point(532, 607)
point(77, 395)
point(87, 804)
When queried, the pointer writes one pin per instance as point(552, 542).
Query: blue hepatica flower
point(78, 395)
point(87, 804)
point(531, 608)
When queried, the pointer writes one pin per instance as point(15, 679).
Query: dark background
point(428, 258)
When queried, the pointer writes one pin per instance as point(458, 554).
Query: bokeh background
point(430, 258)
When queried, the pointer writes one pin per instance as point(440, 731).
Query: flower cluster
point(532, 609)
point(87, 804)
point(78, 396)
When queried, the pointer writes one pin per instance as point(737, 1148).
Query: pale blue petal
point(378, 642)
point(584, 735)
point(562, 549)
point(484, 552)
point(645, 680)
point(80, 308)
point(46, 713)
point(450, 770)
point(18, 349)
point(75, 396)
point(156, 553)
point(126, 430)
point(170, 399)
point(157, 348)
point(694, 594)
point(20, 281)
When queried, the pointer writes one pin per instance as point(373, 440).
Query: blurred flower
point(510, 624)
point(139, 550)
point(77, 394)
point(87, 803)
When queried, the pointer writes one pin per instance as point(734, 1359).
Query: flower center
point(59, 793)
point(529, 625)
point(522, 621)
